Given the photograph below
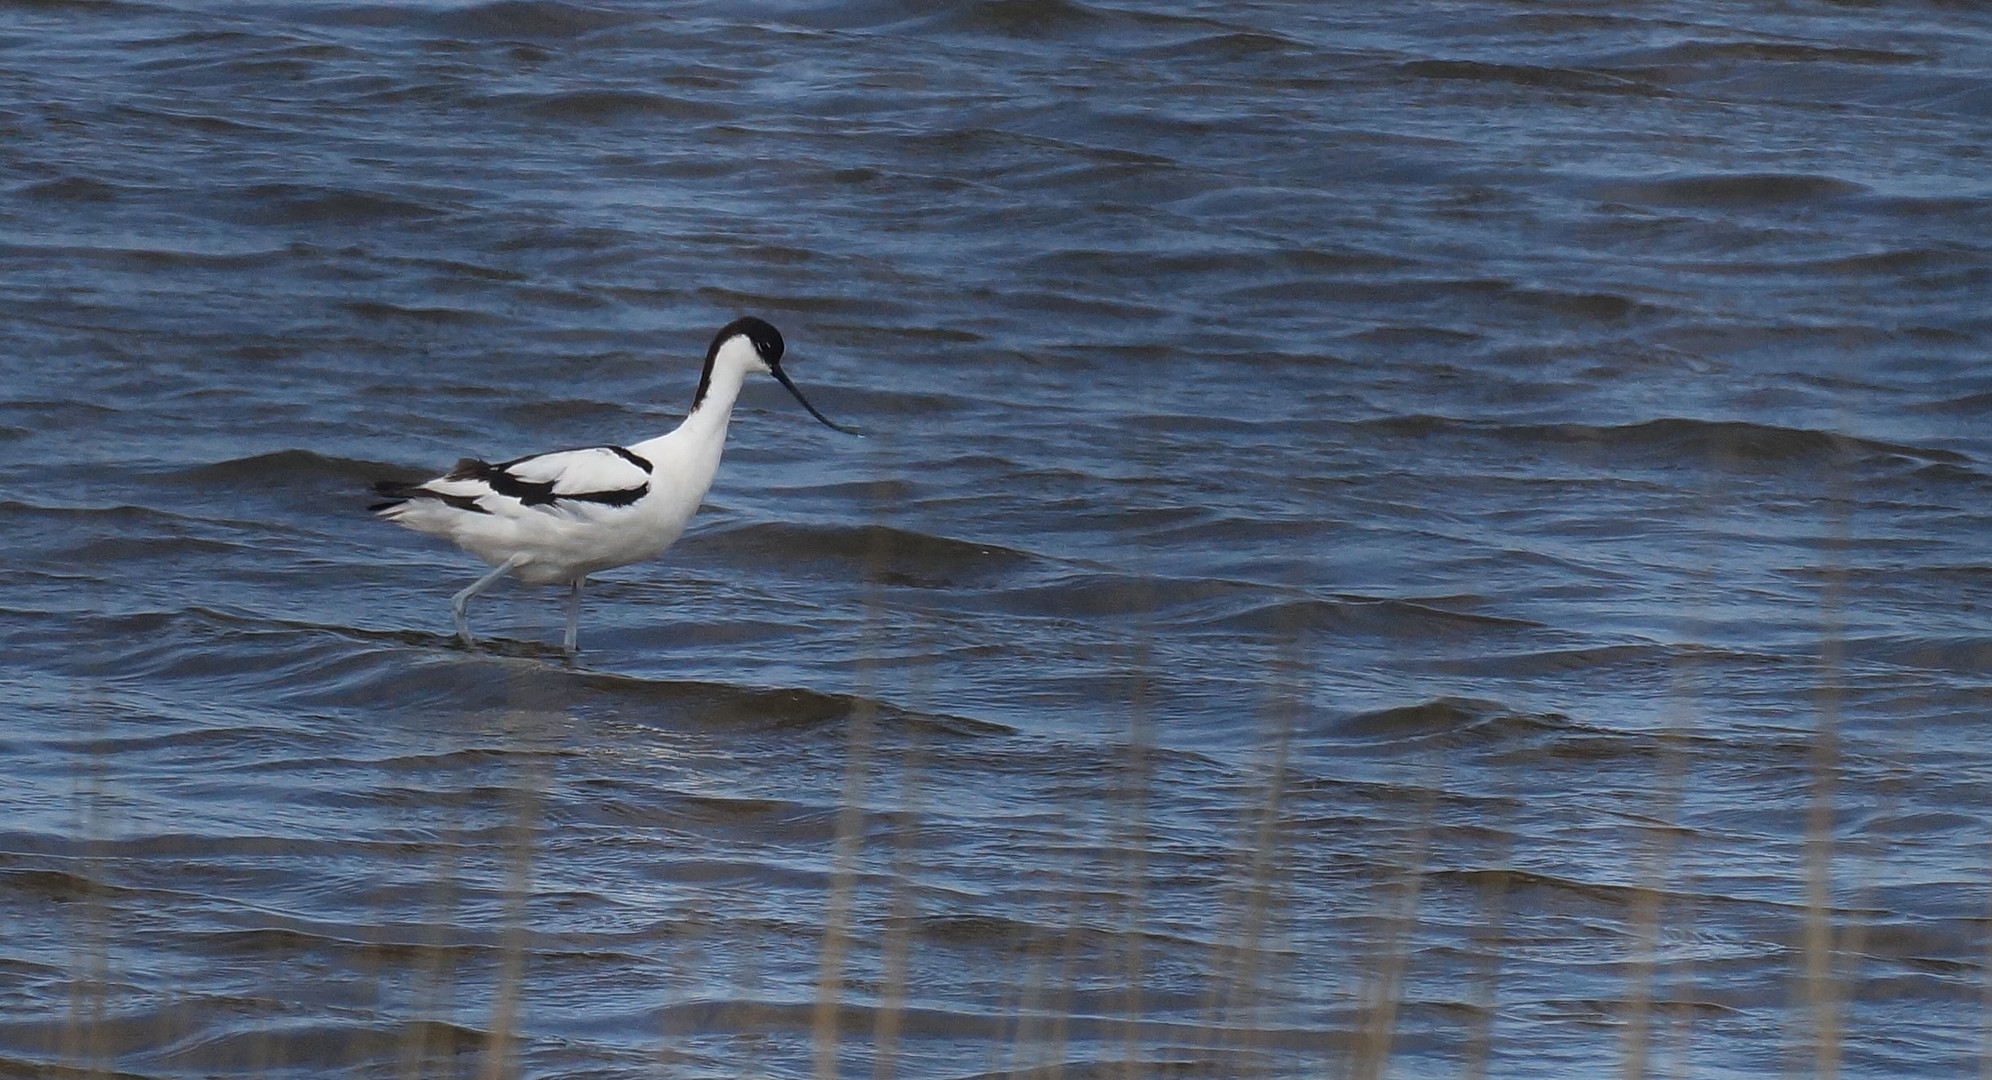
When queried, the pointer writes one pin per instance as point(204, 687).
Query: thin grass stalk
point(1681, 971)
point(81, 1048)
point(1684, 690)
point(896, 949)
point(1820, 992)
point(696, 924)
point(850, 811)
point(1647, 918)
point(1132, 844)
point(522, 726)
point(1662, 835)
point(1234, 962)
point(1850, 950)
point(1682, 988)
point(1030, 992)
point(1128, 905)
point(843, 886)
point(1488, 941)
point(1060, 983)
point(1379, 1017)
point(1985, 990)
point(1259, 885)
point(999, 1049)
point(1034, 1006)
point(431, 998)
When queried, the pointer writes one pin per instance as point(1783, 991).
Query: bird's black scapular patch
point(501, 481)
point(504, 483)
point(632, 457)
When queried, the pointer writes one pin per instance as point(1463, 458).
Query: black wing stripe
point(608, 498)
point(632, 457)
point(531, 492)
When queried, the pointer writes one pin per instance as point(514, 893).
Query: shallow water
point(1430, 542)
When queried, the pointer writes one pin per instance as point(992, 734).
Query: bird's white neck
point(694, 446)
point(708, 419)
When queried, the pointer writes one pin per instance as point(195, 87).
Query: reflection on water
point(1448, 542)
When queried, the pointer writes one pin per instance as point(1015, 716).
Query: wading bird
point(555, 518)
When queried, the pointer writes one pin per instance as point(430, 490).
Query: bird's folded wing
point(608, 475)
point(596, 468)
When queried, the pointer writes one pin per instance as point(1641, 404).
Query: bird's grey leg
point(573, 642)
point(460, 603)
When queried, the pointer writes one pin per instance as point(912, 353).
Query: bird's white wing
point(577, 472)
point(604, 475)
point(565, 481)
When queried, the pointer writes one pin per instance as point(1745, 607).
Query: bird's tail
point(396, 494)
point(393, 493)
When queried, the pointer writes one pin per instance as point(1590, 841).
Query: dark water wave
point(606, 105)
point(1677, 439)
point(1781, 52)
point(292, 204)
point(527, 19)
point(882, 553)
point(1739, 190)
point(324, 666)
point(1373, 617)
point(1592, 82)
point(281, 467)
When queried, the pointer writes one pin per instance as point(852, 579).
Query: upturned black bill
point(783, 378)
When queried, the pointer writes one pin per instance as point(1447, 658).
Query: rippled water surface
point(1434, 540)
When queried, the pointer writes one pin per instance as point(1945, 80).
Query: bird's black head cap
point(767, 341)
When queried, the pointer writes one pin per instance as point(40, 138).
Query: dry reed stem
point(522, 728)
point(1242, 985)
point(1379, 1014)
point(1662, 837)
point(1487, 942)
point(1851, 949)
point(896, 949)
point(1234, 966)
point(1821, 995)
point(89, 982)
point(1061, 1007)
point(431, 996)
point(843, 875)
point(1034, 1007)
point(1132, 843)
point(1985, 992)
point(1684, 690)
point(1682, 990)
point(1647, 910)
point(850, 812)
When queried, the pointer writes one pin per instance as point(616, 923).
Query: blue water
point(1435, 541)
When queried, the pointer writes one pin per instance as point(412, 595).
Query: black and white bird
point(555, 518)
